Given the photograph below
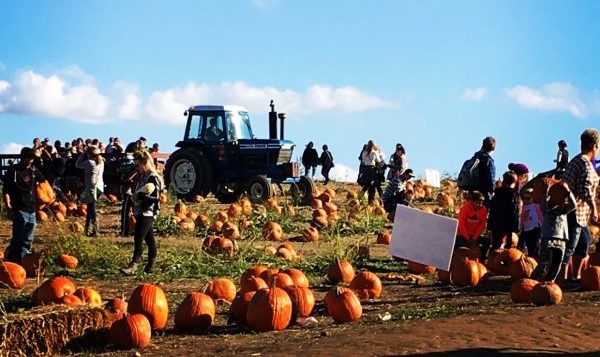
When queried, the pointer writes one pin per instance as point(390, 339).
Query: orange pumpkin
point(255, 271)
point(12, 275)
point(71, 300)
point(340, 271)
point(196, 311)
point(285, 253)
point(310, 234)
point(546, 293)
point(246, 206)
point(269, 310)
point(58, 217)
point(320, 222)
point(234, 210)
point(342, 305)
point(53, 290)
point(221, 216)
point(330, 208)
point(239, 307)
point(272, 231)
point(187, 225)
point(467, 273)
point(505, 259)
point(116, 307)
point(217, 226)
point(297, 276)
point(41, 216)
point(419, 268)
point(252, 283)
point(198, 199)
point(67, 261)
point(522, 268)
point(59, 207)
point(89, 296)
point(316, 203)
point(520, 290)
point(230, 230)
point(163, 198)
point(590, 278)
point(44, 193)
point(111, 198)
point(303, 299)
point(82, 210)
point(150, 300)
point(280, 280)
point(202, 221)
point(220, 288)
point(221, 245)
point(366, 285)
point(267, 274)
point(132, 331)
point(180, 208)
point(384, 237)
point(76, 227)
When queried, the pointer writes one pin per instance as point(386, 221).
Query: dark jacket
point(310, 157)
point(19, 184)
point(326, 159)
point(487, 175)
point(504, 211)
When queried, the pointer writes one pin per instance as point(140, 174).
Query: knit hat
point(519, 169)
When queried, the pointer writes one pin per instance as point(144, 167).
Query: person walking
point(326, 161)
point(18, 193)
point(310, 159)
point(369, 161)
point(92, 163)
point(146, 207)
point(582, 180)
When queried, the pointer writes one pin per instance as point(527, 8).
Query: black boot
point(149, 268)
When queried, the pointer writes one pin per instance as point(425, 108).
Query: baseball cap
point(409, 173)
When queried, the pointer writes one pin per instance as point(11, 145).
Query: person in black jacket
point(487, 169)
point(326, 161)
point(18, 192)
point(310, 159)
point(504, 212)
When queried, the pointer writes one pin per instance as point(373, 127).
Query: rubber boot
point(149, 268)
point(130, 269)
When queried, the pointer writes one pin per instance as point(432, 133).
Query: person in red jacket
point(472, 219)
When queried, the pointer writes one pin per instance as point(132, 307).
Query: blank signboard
point(423, 237)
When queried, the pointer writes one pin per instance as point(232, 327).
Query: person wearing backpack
point(479, 172)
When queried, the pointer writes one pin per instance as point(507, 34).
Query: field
point(416, 314)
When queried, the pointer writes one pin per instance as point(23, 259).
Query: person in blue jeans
point(18, 193)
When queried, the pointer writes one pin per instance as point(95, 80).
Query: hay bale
point(49, 329)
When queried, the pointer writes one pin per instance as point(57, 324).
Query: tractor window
point(214, 128)
point(238, 124)
point(195, 127)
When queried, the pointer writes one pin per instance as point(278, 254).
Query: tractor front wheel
point(259, 189)
point(302, 191)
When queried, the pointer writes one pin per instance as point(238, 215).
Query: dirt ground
point(426, 319)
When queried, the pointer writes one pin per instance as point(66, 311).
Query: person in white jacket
point(92, 163)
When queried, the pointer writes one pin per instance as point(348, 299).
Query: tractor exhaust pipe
point(282, 117)
point(272, 122)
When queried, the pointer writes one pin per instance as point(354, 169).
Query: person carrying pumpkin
point(146, 198)
point(472, 219)
point(556, 203)
point(19, 198)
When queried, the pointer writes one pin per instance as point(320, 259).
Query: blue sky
point(436, 76)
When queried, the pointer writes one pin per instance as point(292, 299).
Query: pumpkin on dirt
point(111, 198)
point(180, 208)
point(269, 310)
point(303, 299)
point(234, 210)
point(246, 206)
point(272, 231)
point(44, 193)
point(310, 234)
point(419, 268)
point(58, 217)
point(150, 301)
point(342, 305)
point(239, 307)
point(340, 271)
point(220, 288)
point(522, 268)
point(252, 283)
point(116, 307)
point(546, 293)
point(132, 331)
point(12, 275)
point(41, 216)
point(71, 300)
point(187, 224)
point(67, 261)
point(384, 237)
point(230, 230)
point(267, 274)
point(297, 276)
point(285, 253)
point(367, 285)
point(196, 311)
point(520, 290)
point(59, 207)
point(467, 273)
point(254, 271)
point(76, 227)
point(53, 290)
point(289, 247)
point(89, 296)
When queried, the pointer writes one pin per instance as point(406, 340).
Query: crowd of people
point(77, 170)
point(311, 159)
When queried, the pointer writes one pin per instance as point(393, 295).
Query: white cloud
point(339, 173)
point(72, 94)
point(34, 94)
point(475, 94)
point(553, 97)
point(11, 148)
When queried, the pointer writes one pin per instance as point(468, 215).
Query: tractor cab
point(220, 154)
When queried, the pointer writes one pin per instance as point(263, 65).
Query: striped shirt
point(583, 181)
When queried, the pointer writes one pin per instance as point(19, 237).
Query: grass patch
point(423, 313)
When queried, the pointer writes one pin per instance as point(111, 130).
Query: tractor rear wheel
point(259, 189)
point(302, 190)
point(190, 173)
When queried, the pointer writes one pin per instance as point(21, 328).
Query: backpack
point(468, 177)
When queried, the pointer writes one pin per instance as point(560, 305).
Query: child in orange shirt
point(472, 219)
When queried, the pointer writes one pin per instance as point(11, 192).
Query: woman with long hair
point(146, 205)
point(92, 164)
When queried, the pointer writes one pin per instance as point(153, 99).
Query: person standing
point(504, 212)
point(370, 159)
point(310, 159)
point(487, 169)
point(92, 163)
point(582, 180)
point(562, 159)
point(326, 161)
point(398, 162)
point(145, 209)
point(18, 192)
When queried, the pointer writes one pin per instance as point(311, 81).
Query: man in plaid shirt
point(582, 179)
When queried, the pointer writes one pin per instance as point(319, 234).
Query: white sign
point(422, 237)
point(432, 177)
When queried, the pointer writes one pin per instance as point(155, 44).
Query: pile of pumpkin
point(13, 275)
point(268, 300)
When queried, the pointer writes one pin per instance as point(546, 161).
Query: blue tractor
point(219, 154)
